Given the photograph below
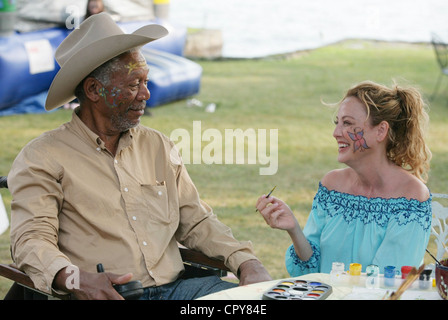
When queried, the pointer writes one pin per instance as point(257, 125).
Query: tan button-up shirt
point(75, 203)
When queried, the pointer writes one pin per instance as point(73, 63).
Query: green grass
point(274, 93)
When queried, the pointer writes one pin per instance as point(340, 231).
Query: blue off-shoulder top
point(355, 229)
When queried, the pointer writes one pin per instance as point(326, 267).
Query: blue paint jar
point(389, 275)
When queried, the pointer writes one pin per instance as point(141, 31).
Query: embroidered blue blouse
point(347, 228)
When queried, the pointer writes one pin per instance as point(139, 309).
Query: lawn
point(282, 93)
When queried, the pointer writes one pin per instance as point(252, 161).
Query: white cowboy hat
point(97, 40)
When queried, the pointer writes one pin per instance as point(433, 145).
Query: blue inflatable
point(33, 104)
point(170, 77)
point(21, 56)
point(27, 67)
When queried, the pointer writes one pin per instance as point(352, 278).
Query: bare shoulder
point(336, 179)
point(413, 188)
point(399, 184)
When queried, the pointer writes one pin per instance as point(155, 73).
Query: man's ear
point(92, 89)
point(382, 131)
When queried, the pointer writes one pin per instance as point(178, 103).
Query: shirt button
point(98, 149)
point(160, 193)
point(144, 243)
point(116, 161)
point(134, 218)
point(126, 189)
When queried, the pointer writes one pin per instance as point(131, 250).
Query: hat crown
point(97, 40)
point(93, 29)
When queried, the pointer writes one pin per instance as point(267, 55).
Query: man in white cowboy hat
point(104, 189)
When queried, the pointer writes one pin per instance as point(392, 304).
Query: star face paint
point(131, 66)
point(357, 137)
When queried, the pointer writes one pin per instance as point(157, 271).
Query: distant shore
point(207, 44)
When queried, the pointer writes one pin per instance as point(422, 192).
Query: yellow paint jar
point(355, 272)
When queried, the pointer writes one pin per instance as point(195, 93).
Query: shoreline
point(355, 43)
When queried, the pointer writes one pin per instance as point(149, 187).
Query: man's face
point(125, 97)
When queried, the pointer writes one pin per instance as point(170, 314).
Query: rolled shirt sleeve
point(34, 222)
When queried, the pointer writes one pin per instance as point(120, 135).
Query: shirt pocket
point(156, 198)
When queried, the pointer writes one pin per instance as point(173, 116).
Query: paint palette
point(292, 289)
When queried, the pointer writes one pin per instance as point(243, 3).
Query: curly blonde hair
point(405, 111)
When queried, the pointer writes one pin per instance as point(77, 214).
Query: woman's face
point(353, 131)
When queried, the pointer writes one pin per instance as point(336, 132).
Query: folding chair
point(441, 51)
point(439, 227)
point(196, 265)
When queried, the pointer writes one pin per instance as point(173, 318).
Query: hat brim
point(87, 59)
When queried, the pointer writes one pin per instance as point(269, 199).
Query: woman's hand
point(276, 213)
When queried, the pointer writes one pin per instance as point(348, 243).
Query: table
point(344, 289)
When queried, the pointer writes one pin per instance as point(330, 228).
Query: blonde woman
point(377, 210)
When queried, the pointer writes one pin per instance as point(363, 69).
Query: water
point(256, 28)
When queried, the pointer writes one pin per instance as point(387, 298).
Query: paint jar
point(389, 275)
point(424, 281)
point(337, 271)
point(372, 277)
point(405, 271)
point(355, 272)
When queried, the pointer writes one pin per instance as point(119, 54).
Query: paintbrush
point(432, 256)
point(268, 195)
point(412, 276)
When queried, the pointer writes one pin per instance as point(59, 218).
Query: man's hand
point(92, 286)
point(252, 271)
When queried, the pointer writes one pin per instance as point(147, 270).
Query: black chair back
point(3, 182)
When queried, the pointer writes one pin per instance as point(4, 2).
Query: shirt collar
point(92, 138)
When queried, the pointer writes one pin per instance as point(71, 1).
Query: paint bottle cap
point(372, 270)
point(337, 266)
point(405, 271)
point(425, 275)
point(390, 271)
point(355, 269)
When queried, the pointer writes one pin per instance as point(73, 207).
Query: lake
point(256, 28)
